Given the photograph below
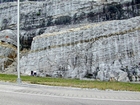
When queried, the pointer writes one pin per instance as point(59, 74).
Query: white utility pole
point(18, 44)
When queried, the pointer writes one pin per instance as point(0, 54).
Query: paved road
point(27, 94)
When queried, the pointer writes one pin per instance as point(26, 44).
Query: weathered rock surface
point(36, 17)
point(97, 39)
point(105, 51)
point(7, 49)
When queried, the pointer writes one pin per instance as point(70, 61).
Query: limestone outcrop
point(37, 16)
point(7, 49)
point(96, 39)
point(105, 51)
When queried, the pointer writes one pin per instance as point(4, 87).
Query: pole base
point(18, 80)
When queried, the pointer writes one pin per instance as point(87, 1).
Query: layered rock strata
point(37, 16)
point(82, 38)
point(105, 51)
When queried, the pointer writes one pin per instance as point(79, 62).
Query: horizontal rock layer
point(37, 16)
point(74, 44)
point(105, 51)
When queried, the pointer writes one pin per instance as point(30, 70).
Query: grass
point(102, 85)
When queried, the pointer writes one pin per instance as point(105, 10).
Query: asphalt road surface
point(27, 94)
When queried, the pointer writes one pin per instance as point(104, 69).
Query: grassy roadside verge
point(73, 82)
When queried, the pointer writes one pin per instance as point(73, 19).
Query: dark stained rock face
point(41, 14)
point(106, 51)
point(75, 38)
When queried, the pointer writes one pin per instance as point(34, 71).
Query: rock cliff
point(37, 16)
point(105, 51)
point(7, 49)
point(97, 39)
